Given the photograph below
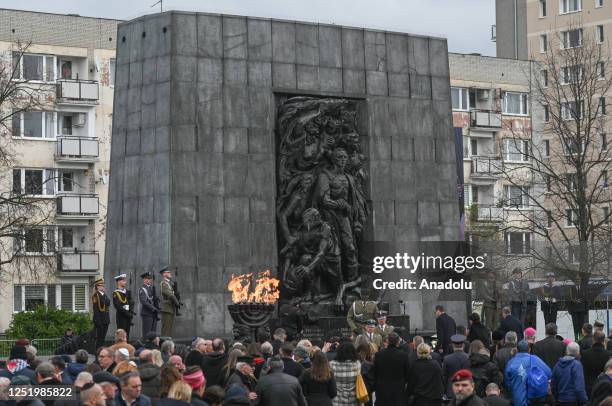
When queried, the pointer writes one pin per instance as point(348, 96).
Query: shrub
point(44, 322)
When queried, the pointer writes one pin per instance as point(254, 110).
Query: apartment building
point(62, 153)
point(492, 106)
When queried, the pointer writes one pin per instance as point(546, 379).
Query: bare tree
point(558, 185)
point(27, 237)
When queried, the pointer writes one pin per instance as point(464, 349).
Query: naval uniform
point(124, 306)
point(149, 309)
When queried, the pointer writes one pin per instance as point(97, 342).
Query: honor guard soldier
point(169, 303)
point(518, 292)
point(382, 327)
point(149, 304)
point(124, 305)
point(101, 307)
point(361, 311)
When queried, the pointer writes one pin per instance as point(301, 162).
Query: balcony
point(490, 213)
point(76, 91)
point(81, 149)
point(85, 261)
point(77, 206)
point(485, 168)
point(486, 119)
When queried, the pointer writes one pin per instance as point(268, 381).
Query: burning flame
point(265, 288)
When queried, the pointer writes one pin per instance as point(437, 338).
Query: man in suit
point(445, 328)
point(550, 349)
point(390, 373)
point(169, 303)
point(511, 323)
point(518, 292)
point(124, 305)
point(149, 304)
point(587, 337)
point(371, 335)
point(382, 327)
point(101, 315)
point(549, 295)
point(454, 362)
point(578, 306)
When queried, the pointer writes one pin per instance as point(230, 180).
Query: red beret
point(462, 375)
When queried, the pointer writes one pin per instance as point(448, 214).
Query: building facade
point(61, 155)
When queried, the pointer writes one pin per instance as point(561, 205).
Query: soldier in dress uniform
point(371, 335)
point(549, 295)
point(518, 292)
point(124, 305)
point(101, 315)
point(169, 303)
point(361, 311)
point(382, 327)
point(149, 304)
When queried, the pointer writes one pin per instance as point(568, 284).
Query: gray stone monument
point(204, 166)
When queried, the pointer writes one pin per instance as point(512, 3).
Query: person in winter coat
point(594, 360)
point(454, 362)
point(150, 375)
point(178, 395)
point(277, 388)
point(550, 349)
point(505, 353)
point(18, 365)
point(391, 372)
point(345, 368)
point(212, 363)
point(520, 383)
point(483, 370)
point(567, 383)
point(318, 383)
point(603, 385)
point(478, 331)
point(236, 395)
point(463, 390)
point(75, 368)
point(493, 396)
point(425, 381)
point(195, 378)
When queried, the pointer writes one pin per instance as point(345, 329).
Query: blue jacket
point(515, 377)
point(74, 369)
point(567, 382)
point(142, 400)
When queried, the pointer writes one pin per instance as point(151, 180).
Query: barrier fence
point(44, 346)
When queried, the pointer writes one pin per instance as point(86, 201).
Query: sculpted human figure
point(335, 195)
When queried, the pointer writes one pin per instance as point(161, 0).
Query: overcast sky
point(465, 23)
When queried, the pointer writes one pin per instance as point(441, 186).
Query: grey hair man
point(567, 380)
point(82, 379)
point(93, 396)
point(503, 355)
point(278, 388)
point(45, 374)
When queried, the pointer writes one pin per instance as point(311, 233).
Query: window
point(518, 243)
point(571, 74)
point(473, 146)
point(544, 78)
point(571, 38)
point(573, 254)
point(546, 148)
point(573, 147)
point(516, 196)
point(604, 141)
point(66, 183)
point(516, 150)
point(64, 124)
point(571, 217)
point(600, 69)
point(112, 67)
point(460, 98)
point(600, 34)
point(34, 124)
point(569, 6)
point(38, 182)
point(599, 3)
point(35, 67)
point(548, 181)
point(546, 114)
point(604, 179)
point(602, 105)
point(605, 215)
point(514, 103)
point(35, 241)
point(542, 8)
point(572, 110)
point(474, 194)
point(543, 43)
point(66, 237)
point(66, 69)
point(71, 297)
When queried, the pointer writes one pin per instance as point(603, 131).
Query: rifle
point(176, 293)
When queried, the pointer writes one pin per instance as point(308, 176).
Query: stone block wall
point(193, 154)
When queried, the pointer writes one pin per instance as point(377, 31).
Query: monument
point(246, 144)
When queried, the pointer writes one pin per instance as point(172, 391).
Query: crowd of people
point(472, 367)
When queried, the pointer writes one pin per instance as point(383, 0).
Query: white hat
point(122, 276)
point(124, 352)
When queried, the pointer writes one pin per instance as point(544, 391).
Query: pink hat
point(530, 332)
point(566, 341)
point(195, 379)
